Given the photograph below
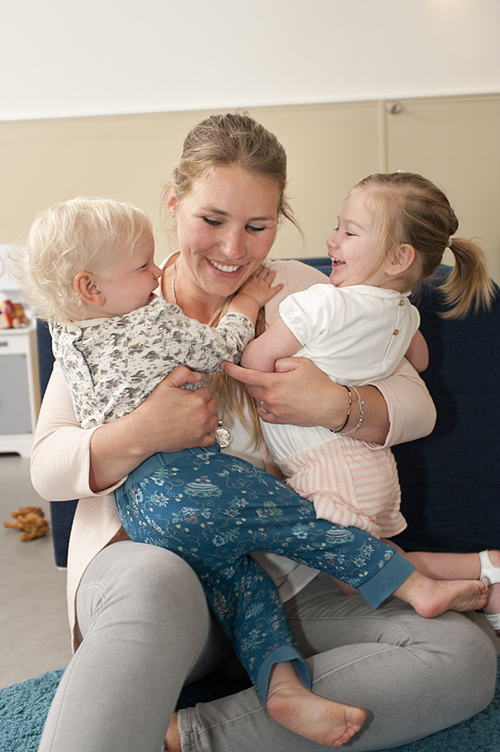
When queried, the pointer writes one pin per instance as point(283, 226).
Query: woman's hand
point(170, 419)
point(300, 394)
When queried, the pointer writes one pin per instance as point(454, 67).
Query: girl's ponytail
point(468, 287)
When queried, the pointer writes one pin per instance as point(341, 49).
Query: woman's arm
point(68, 462)
point(300, 394)
point(397, 409)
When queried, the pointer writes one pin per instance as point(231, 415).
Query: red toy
point(12, 315)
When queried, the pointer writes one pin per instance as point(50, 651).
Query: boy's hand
point(259, 286)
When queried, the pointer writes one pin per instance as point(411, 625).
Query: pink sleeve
point(412, 413)
point(60, 459)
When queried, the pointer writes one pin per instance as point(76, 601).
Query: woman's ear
point(171, 200)
point(401, 260)
point(86, 285)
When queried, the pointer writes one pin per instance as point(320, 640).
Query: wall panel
point(452, 140)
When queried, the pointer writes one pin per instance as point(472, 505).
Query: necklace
point(223, 435)
point(173, 283)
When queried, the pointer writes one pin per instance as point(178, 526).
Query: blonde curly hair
point(82, 234)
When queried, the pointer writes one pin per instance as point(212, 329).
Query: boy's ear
point(86, 285)
point(401, 260)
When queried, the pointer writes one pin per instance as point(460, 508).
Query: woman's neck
point(179, 289)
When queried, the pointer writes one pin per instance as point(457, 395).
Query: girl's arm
point(276, 342)
point(418, 352)
point(69, 462)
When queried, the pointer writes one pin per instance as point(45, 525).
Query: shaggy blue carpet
point(23, 708)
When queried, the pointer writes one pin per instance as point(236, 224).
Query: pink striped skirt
point(349, 484)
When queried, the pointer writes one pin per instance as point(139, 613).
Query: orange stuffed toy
point(31, 520)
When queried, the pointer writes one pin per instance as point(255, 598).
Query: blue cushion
point(450, 480)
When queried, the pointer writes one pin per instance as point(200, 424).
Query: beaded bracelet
point(349, 406)
point(361, 414)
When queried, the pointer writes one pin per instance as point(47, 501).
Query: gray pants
point(146, 629)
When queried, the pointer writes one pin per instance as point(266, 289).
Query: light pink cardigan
point(61, 459)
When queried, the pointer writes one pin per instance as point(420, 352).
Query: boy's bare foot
point(323, 721)
point(432, 598)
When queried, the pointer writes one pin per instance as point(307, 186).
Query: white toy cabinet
point(19, 386)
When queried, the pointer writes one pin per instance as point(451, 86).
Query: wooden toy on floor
point(31, 521)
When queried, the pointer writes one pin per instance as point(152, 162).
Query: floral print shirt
point(112, 364)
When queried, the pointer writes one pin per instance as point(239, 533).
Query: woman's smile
point(224, 267)
point(226, 227)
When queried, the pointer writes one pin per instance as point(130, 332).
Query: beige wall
point(452, 140)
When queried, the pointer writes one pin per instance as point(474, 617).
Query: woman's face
point(226, 227)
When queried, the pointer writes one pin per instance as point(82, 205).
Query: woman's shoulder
point(298, 274)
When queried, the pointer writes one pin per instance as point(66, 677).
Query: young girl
point(89, 269)
point(392, 232)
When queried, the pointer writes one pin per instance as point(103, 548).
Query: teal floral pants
point(214, 510)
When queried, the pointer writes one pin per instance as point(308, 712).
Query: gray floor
point(34, 633)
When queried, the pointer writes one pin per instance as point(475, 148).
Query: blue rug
point(24, 707)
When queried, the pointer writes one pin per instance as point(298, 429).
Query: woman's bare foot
point(323, 721)
point(173, 739)
point(432, 598)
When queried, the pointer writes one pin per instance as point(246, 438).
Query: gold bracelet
point(361, 414)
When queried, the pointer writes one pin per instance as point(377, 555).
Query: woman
point(141, 623)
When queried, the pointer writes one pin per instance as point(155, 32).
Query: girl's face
point(354, 247)
point(226, 227)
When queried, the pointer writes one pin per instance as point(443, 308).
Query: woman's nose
point(234, 245)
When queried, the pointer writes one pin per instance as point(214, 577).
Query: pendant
point(223, 435)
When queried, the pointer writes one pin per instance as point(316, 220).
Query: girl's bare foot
point(323, 721)
point(492, 608)
point(432, 598)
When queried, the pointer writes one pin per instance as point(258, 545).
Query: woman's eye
point(211, 222)
point(251, 228)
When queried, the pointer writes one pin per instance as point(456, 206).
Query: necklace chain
point(222, 434)
point(173, 283)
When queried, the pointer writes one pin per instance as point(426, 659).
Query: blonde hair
point(82, 234)
point(225, 140)
point(409, 209)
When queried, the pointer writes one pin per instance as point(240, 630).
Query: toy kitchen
point(19, 387)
